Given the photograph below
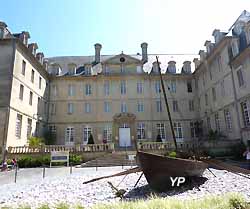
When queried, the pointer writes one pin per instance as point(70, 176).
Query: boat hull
point(159, 170)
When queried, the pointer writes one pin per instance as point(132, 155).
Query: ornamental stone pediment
point(122, 59)
point(124, 118)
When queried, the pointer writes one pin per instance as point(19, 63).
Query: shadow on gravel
point(145, 192)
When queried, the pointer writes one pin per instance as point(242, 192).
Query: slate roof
point(80, 61)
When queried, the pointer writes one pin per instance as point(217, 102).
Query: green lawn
point(228, 201)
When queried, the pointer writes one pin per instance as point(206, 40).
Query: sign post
point(59, 156)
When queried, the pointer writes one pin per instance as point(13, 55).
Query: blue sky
point(72, 27)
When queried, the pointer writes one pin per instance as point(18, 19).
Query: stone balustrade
point(164, 145)
point(73, 148)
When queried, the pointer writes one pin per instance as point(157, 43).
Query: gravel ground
point(61, 186)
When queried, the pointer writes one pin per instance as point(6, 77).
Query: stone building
point(118, 98)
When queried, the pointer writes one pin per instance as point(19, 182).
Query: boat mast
point(166, 102)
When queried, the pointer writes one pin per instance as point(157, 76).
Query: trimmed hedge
point(31, 162)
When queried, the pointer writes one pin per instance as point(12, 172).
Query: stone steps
point(113, 159)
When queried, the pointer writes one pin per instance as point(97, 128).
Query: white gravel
point(59, 186)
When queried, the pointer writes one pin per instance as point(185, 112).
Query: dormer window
point(72, 69)
point(235, 47)
point(88, 70)
point(171, 67)
point(187, 67)
point(155, 67)
point(138, 69)
point(1, 32)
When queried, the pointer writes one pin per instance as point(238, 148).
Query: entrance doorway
point(124, 136)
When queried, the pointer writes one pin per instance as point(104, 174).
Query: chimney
point(32, 48)
point(24, 36)
point(144, 49)
point(3, 27)
point(98, 48)
point(217, 35)
point(209, 46)
point(171, 67)
point(186, 67)
point(40, 57)
point(202, 54)
point(45, 64)
point(196, 62)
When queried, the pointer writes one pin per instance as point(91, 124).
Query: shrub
point(75, 159)
point(35, 142)
point(90, 139)
point(30, 162)
point(172, 154)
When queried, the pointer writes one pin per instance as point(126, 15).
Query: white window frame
point(245, 113)
point(175, 106)
point(178, 130)
point(228, 119)
point(88, 90)
point(123, 87)
point(71, 90)
point(214, 93)
point(23, 68)
point(193, 133)
point(107, 106)
point(106, 88)
point(139, 87)
point(191, 105)
point(124, 107)
point(69, 135)
point(32, 79)
point(53, 108)
point(158, 106)
point(141, 131)
point(157, 87)
point(18, 130)
point(240, 77)
point(54, 90)
point(107, 133)
point(173, 86)
point(21, 92)
point(217, 122)
point(160, 127)
point(87, 107)
point(29, 127)
point(87, 130)
point(31, 98)
point(40, 82)
point(70, 108)
point(222, 86)
point(140, 106)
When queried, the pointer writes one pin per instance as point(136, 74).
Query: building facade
point(118, 98)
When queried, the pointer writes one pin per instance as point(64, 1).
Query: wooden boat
point(158, 169)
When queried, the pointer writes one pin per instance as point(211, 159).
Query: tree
point(35, 142)
point(90, 139)
point(49, 138)
point(158, 138)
